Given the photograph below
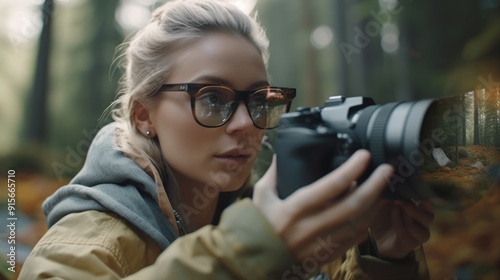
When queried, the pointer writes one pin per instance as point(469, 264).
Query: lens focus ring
point(377, 137)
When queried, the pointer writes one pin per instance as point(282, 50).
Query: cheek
point(184, 153)
point(253, 142)
point(181, 138)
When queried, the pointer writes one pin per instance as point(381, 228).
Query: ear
point(143, 121)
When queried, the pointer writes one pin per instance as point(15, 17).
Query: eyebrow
point(224, 82)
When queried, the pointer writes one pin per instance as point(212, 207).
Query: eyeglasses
point(213, 105)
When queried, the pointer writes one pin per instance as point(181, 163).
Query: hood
point(112, 182)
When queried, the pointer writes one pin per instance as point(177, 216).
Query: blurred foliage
point(465, 244)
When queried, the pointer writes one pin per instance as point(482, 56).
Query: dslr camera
point(411, 136)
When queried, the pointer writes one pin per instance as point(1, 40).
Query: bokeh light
point(246, 6)
point(322, 36)
point(132, 15)
point(390, 38)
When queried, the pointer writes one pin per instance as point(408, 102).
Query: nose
point(240, 120)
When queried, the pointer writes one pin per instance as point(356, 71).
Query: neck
point(198, 205)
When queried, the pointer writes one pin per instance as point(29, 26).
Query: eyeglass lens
point(215, 105)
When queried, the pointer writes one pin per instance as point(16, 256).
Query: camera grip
point(303, 156)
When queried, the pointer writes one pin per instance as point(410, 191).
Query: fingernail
point(387, 169)
point(362, 152)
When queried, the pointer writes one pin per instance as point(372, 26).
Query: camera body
point(311, 142)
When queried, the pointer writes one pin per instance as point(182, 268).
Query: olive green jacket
point(243, 246)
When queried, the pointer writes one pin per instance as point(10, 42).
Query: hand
point(323, 220)
point(400, 226)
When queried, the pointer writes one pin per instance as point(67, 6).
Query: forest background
point(56, 82)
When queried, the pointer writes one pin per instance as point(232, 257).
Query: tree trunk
point(36, 115)
point(476, 118)
point(312, 84)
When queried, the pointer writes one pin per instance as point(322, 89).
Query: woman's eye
point(211, 98)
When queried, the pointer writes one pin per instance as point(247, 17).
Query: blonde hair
point(148, 60)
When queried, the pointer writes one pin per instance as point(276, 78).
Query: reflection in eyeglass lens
point(267, 106)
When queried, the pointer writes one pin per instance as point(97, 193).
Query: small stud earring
point(148, 133)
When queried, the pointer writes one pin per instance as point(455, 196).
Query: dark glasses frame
point(241, 95)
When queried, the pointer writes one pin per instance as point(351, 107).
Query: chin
point(236, 183)
point(232, 179)
point(225, 181)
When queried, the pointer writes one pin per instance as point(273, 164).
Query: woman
point(189, 122)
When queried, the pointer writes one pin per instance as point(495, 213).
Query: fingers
point(333, 184)
point(354, 213)
point(330, 207)
point(345, 236)
point(362, 198)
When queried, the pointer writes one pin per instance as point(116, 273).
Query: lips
point(235, 153)
point(234, 157)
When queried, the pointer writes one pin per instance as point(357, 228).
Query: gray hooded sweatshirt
point(112, 182)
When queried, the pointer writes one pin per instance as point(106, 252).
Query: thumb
point(265, 188)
